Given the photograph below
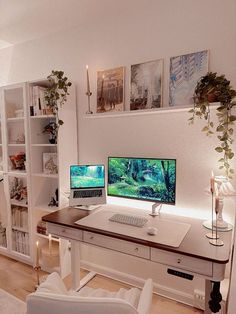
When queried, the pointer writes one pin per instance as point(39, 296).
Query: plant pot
point(53, 141)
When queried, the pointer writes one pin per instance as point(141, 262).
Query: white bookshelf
point(21, 133)
point(15, 164)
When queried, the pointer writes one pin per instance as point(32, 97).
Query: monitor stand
point(87, 207)
point(156, 209)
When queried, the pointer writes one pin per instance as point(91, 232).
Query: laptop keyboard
point(87, 193)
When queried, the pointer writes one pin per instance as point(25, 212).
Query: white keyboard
point(129, 220)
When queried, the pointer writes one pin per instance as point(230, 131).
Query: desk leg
point(75, 264)
point(213, 297)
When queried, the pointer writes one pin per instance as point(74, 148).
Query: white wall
point(154, 29)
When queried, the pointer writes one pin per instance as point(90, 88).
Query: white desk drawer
point(65, 232)
point(117, 245)
point(184, 262)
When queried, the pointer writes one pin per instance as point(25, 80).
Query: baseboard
point(162, 290)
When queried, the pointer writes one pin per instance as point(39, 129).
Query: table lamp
point(225, 189)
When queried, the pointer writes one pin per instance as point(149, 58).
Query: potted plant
point(55, 96)
point(216, 88)
point(52, 129)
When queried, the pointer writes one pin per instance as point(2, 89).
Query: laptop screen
point(87, 176)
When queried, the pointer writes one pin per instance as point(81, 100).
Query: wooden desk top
point(194, 244)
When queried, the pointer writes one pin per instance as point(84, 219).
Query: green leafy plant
point(56, 93)
point(216, 88)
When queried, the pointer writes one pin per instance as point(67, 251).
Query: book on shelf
point(38, 105)
point(20, 217)
point(20, 242)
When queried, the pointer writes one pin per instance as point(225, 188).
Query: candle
point(88, 85)
point(212, 182)
point(217, 202)
point(37, 254)
point(50, 244)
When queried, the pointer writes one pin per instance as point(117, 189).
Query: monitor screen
point(142, 178)
point(87, 176)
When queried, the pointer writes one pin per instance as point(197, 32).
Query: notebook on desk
point(169, 232)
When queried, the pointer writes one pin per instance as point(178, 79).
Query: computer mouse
point(151, 230)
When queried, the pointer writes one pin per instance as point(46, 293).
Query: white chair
point(52, 297)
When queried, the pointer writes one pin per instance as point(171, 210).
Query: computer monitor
point(87, 185)
point(148, 179)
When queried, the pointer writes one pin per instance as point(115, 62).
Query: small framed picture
point(110, 90)
point(185, 71)
point(50, 164)
point(146, 85)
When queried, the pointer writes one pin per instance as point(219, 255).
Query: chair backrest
point(47, 303)
point(52, 297)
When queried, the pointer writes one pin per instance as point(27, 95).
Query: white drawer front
point(65, 232)
point(182, 262)
point(117, 245)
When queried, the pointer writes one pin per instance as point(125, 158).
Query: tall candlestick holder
point(212, 234)
point(216, 241)
point(37, 269)
point(89, 94)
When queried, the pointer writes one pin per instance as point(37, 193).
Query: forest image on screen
point(146, 179)
point(87, 176)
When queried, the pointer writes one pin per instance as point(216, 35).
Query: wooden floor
point(19, 279)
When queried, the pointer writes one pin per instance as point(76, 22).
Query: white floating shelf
point(16, 144)
point(43, 116)
point(20, 229)
point(44, 145)
point(53, 176)
point(18, 203)
point(17, 173)
point(16, 119)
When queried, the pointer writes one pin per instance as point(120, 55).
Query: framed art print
point(50, 163)
point(110, 90)
point(185, 71)
point(146, 85)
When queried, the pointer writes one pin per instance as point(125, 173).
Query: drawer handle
point(63, 230)
point(178, 260)
point(91, 238)
point(136, 249)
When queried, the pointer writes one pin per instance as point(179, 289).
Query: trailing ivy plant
point(216, 88)
point(56, 93)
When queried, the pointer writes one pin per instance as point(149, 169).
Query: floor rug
point(10, 304)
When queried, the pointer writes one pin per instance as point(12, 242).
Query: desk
point(194, 256)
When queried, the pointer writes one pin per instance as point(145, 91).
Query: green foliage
point(56, 93)
point(216, 88)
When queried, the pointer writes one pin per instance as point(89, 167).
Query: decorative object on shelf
point(18, 161)
point(217, 241)
point(110, 90)
point(54, 200)
point(19, 113)
point(41, 227)
point(56, 94)
point(20, 139)
point(50, 163)
point(52, 129)
point(146, 85)
point(18, 191)
point(185, 71)
point(209, 88)
point(88, 93)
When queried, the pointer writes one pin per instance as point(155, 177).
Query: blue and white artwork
point(185, 71)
